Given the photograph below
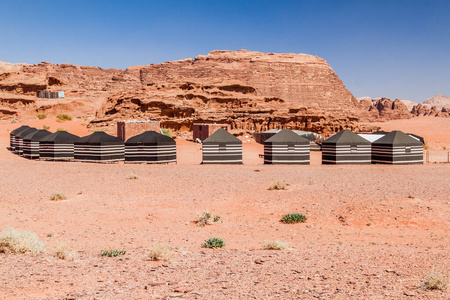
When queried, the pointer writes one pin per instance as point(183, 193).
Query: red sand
point(373, 232)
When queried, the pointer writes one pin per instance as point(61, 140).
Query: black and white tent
point(286, 147)
point(31, 143)
point(18, 141)
point(346, 147)
point(222, 147)
point(397, 147)
point(150, 147)
point(12, 136)
point(99, 147)
point(57, 146)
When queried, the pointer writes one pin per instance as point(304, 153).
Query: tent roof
point(151, 137)
point(346, 137)
point(222, 136)
point(37, 135)
point(286, 136)
point(99, 137)
point(60, 137)
point(25, 132)
point(398, 138)
point(18, 129)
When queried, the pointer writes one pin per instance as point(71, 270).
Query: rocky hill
point(439, 101)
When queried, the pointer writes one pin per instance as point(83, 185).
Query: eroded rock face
point(424, 110)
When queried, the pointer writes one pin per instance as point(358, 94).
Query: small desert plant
point(436, 281)
point(444, 148)
point(45, 127)
point(278, 185)
point(293, 218)
point(64, 251)
point(60, 129)
point(206, 218)
point(14, 121)
point(166, 131)
point(20, 241)
point(112, 252)
point(133, 176)
point(57, 196)
point(41, 116)
point(274, 245)
point(426, 146)
point(214, 242)
point(64, 117)
point(160, 252)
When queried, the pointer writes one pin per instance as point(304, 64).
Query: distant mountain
point(409, 104)
point(439, 101)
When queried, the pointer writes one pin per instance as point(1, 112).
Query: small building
point(49, 94)
point(12, 136)
point(150, 147)
point(397, 147)
point(202, 131)
point(31, 143)
point(18, 141)
point(99, 147)
point(128, 129)
point(57, 146)
point(286, 147)
point(222, 148)
point(346, 147)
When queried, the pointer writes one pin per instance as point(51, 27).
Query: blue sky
point(395, 49)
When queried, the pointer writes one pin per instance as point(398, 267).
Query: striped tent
point(99, 147)
point(397, 147)
point(31, 143)
point(57, 146)
point(150, 147)
point(222, 147)
point(346, 147)
point(286, 147)
point(18, 141)
point(12, 136)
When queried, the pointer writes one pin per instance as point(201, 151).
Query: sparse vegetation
point(49, 235)
point(214, 242)
point(41, 116)
point(64, 251)
point(274, 245)
point(368, 224)
point(436, 281)
point(20, 241)
point(45, 127)
point(61, 129)
point(112, 252)
point(64, 117)
point(167, 132)
point(278, 185)
point(160, 252)
point(426, 146)
point(206, 218)
point(133, 176)
point(14, 121)
point(444, 148)
point(57, 196)
point(293, 218)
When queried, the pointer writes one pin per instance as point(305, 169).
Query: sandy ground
point(373, 232)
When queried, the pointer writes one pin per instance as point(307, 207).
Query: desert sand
point(372, 232)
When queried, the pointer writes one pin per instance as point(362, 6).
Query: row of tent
point(285, 147)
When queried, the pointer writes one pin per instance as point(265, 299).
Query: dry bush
point(64, 251)
point(20, 241)
point(45, 127)
point(274, 245)
point(57, 196)
point(436, 281)
point(278, 185)
point(206, 218)
point(160, 252)
point(133, 176)
point(63, 117)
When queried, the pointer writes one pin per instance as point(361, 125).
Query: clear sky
point(395, 49)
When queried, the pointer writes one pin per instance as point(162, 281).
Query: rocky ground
point(373, 232)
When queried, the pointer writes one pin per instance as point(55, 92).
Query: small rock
point(258, 261)
point(410, 293)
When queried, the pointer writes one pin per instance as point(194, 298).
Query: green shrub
point(57, 196)
point(166, 131)
point(41, 116)
point(64, 117)
point(20, 241)
point(206, 218)
point(112, 252)
point(214, 242)
point(293, 218)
